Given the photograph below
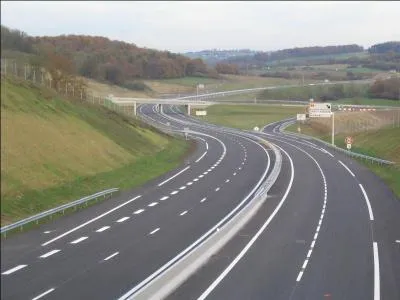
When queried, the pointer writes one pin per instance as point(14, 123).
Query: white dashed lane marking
point(174, 192)
point(182, 187)
point(183, 213)
point(50, 253)
point(122, 219)
point(227, 180)
point(154, 231)
point(79, 240)
point(43, 294)
point(202, 200)
point(102, 228)
point(153, 204)
point(164, 198)
point(139, 211)
point(111, 256)
point(217, 189)
point(15, 269)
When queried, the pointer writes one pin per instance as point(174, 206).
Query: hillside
point(55, 150)
point(103, 59)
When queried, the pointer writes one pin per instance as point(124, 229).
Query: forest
point(102, 59)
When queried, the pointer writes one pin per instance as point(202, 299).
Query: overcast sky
point(191, 26)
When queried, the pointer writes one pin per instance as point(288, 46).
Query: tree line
point(103, 59)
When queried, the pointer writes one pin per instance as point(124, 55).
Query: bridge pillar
point(161, 108)
point(134, 108)
point(188, 109)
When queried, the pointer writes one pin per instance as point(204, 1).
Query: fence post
point(25, 71)
point(5, 66)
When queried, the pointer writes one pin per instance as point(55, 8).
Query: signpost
point(201, 113)
point(349, 141)
point(301, 117)
point(185, 129)
point(320, 110)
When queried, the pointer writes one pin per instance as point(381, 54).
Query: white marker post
point(333, 129)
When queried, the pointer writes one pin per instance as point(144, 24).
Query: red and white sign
point(348, 140)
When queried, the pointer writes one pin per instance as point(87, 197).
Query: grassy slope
point(54, 150)
point(383, 143)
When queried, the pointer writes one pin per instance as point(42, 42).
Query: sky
point(182, 26)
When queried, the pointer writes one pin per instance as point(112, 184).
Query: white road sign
point(201, 113)
point(301, 117)
point(320, 110)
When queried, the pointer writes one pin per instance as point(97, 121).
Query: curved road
point(330, 230)
point(112, 248)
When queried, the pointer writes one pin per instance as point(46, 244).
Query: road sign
point(320, 110)
point(256, 128)
point(301, 117)
point(348, 140)
point(348, 146)
point(201, 113)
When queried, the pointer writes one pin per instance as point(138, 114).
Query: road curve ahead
point(330, 229)
point(109, 249)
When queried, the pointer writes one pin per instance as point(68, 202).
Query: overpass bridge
point(188, 103)
point(201, 99)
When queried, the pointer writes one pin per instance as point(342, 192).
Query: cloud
point(184, 26)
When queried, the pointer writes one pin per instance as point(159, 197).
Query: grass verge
point(55, 150)
point(383, 143)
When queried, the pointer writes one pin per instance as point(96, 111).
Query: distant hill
point(211, 57)
point(103, 59)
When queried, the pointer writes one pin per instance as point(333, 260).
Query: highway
point(108, 249)
point(330, 230)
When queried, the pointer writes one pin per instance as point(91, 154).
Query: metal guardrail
point(52, 211)
point(350, 153)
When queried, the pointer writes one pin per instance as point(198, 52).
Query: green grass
point(54, 150)
point(368, 101)
point(383, 143)
point(248, 116)
point(190, 81)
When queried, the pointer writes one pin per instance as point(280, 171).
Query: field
point(368, 101)
point(55, 150)
point(248, 116)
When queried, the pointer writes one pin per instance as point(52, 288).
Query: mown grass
point(248, 116)
point(383, 143)
point(54, 150)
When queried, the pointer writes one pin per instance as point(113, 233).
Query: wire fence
point(64, 85)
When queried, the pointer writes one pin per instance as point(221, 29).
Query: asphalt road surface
point(330, 230)
point(107, 249)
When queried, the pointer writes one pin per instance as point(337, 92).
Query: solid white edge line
point(172, 177)
point(15, 269)
point(352, 174)
point(111, 256)
point(371, 215)
point(43, 294)
point(50, 253)
point(254, 238)
point(377, 283)
point(201, 157)
point(90, 221)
